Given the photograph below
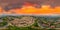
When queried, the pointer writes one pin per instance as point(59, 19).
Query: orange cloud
point(0, 10)
point(45, 9)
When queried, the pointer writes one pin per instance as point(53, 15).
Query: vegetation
point(3, 24)
point(35, 26)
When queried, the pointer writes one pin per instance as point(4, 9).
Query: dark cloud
point(12, 4)
point(54, 3)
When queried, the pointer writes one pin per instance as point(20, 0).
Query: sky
point(30, 6)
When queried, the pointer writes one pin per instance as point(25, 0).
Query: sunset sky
point(29, 7)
